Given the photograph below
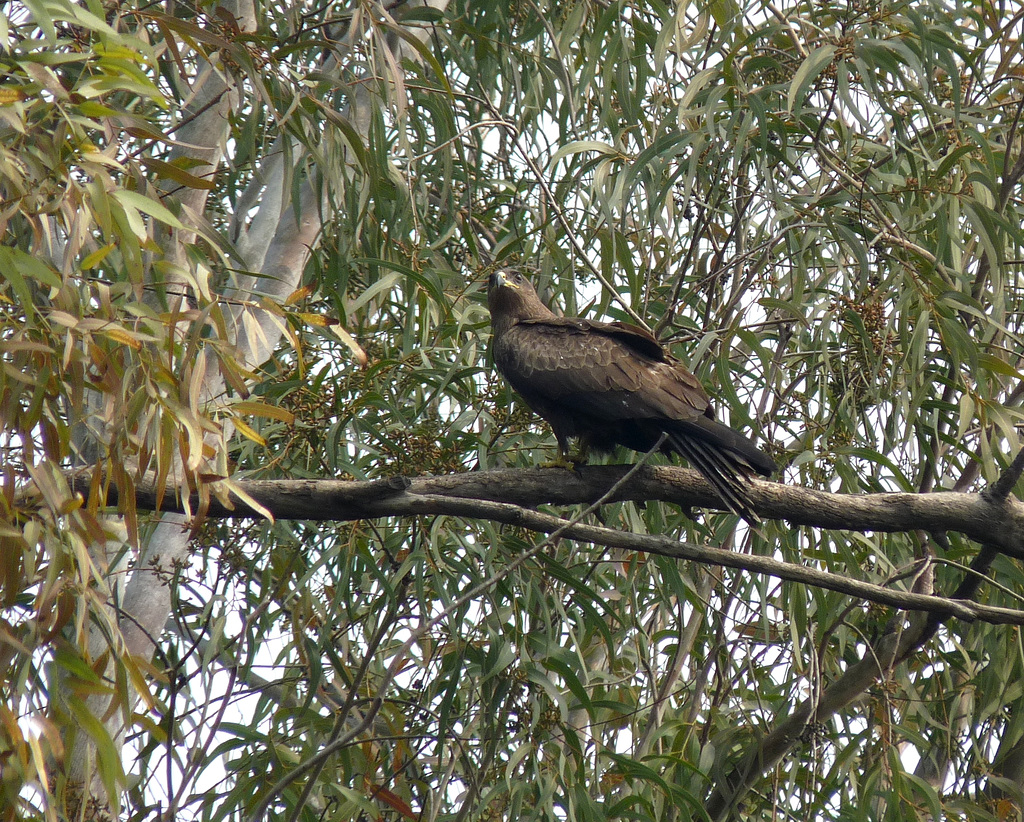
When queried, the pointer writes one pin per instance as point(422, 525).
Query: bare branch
point(501, 496)
point(999, 524)
point(1002, 487)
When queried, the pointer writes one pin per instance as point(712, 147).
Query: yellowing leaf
point(123, 337)
point(298, 294)
point(317, 320)
point(269, 305)
point(94, 259)
point(248, 432)
point(263, 409)
point(10, 94)
point(235, 489)
point(350, 341)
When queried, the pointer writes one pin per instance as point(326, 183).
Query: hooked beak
point(500, 278)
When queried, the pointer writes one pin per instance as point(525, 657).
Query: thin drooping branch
point(902, 641)
point(892, 649)
point(877, 662)
point(965, 591)
point(337, 741)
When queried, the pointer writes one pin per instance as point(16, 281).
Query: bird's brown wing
point(612, 371)
point(613, 384)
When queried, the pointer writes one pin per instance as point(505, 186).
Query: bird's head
point(511, 297)
point(506, 278)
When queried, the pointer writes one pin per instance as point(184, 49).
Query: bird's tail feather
point(723, 474)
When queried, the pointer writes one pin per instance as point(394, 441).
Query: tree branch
point(501, 496)
point(987, 521)
point(893, 648)
point(762, 757)
point(1002, 487)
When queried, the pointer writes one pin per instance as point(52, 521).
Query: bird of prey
point(609, 384)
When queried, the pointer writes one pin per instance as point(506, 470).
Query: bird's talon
point(564, 461)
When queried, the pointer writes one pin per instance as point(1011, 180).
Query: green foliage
point(819, 209)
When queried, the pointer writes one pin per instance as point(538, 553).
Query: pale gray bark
point(276, 241)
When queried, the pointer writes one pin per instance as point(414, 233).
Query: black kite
point(610, 384)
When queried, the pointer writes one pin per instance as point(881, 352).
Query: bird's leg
point(582, 453)
point(571, 462)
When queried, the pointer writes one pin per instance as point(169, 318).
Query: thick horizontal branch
point(997, 523)
point(450, 495)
